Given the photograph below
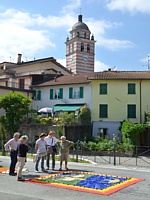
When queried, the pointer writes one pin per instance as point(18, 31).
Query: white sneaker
point(36, 171)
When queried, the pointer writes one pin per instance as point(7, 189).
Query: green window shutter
point(81, 92)
point(103, 88)
point(51, 93)
point(70, 93)
point(103, 111)
point(131, 111)
point(131, 88)
point(34, 95)
point(61, 93)
point(39, 95)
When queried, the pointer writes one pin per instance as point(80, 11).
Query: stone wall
point(34, 130)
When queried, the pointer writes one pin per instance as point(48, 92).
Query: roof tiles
point(105, 75)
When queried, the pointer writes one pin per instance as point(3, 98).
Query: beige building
point(22, 76)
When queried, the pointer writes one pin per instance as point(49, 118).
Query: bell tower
point(80, 48)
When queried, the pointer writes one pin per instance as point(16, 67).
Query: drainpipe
point(140, 101)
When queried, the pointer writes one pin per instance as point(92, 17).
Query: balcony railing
point(14, 85)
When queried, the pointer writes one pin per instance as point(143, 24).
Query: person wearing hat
point(40, 148)
point(64, 146)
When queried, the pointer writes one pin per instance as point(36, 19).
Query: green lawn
point(69, 159)
point(56, 158)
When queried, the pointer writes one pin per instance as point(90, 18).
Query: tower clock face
point(85, 57)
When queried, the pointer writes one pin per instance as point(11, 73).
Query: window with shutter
point(51, 93)
point(34, 95)
point(70, 93)
point(61, 93)
point(39, 95)
point(103, 111)
point(103, 88)
point(131, 88)
point(131, 109)
point(81, 92)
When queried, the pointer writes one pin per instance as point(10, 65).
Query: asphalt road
point(11, 189)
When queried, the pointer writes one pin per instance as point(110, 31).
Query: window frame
point(131, 111)
point(131, 88)
point(52, 93)
point(103, 89)
point(105, 108)
point(80, 93)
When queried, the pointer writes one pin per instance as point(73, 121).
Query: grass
point(57, 159)
point(70, 159)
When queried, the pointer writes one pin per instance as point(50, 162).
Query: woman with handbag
point(51, 149)
point(40, 147)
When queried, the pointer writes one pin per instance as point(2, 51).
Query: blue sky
point(38, 29)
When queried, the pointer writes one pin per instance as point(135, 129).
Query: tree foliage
point(3, 138)
point(131, 131)
point(65, 118)
point(85, 115)
point(16, 106)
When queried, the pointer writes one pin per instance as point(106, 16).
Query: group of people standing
point(45, 147)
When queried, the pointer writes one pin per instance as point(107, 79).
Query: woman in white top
point(40, 148)
point(50, 142)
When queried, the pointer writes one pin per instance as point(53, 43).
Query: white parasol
point(45, 110)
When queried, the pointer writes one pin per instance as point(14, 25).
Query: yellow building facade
point(118, 99)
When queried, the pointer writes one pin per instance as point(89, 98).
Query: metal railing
point(81, 151)
point(141, 158)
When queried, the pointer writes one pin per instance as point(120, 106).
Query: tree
point(3, 138)
point(85, 115)
point(16, 106)
point(131, 131)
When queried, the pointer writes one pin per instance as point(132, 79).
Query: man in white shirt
point(50, 141)
point(11, 146)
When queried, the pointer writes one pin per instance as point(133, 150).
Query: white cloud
point(132, 6)
point(18, 35)
point(30, 34)
point(114, 44)
point(62, 61)
point(99, 29)
point(71, 6)
point(100, 66)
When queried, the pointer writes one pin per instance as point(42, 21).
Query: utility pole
point(148, 62)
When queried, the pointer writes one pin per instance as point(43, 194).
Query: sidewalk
point(11, 189)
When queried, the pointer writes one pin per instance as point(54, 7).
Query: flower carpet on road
point(5, 170)
point(86, 181)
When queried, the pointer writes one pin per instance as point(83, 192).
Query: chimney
point(55, 78)
point(80, 18)
point(19, 58)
